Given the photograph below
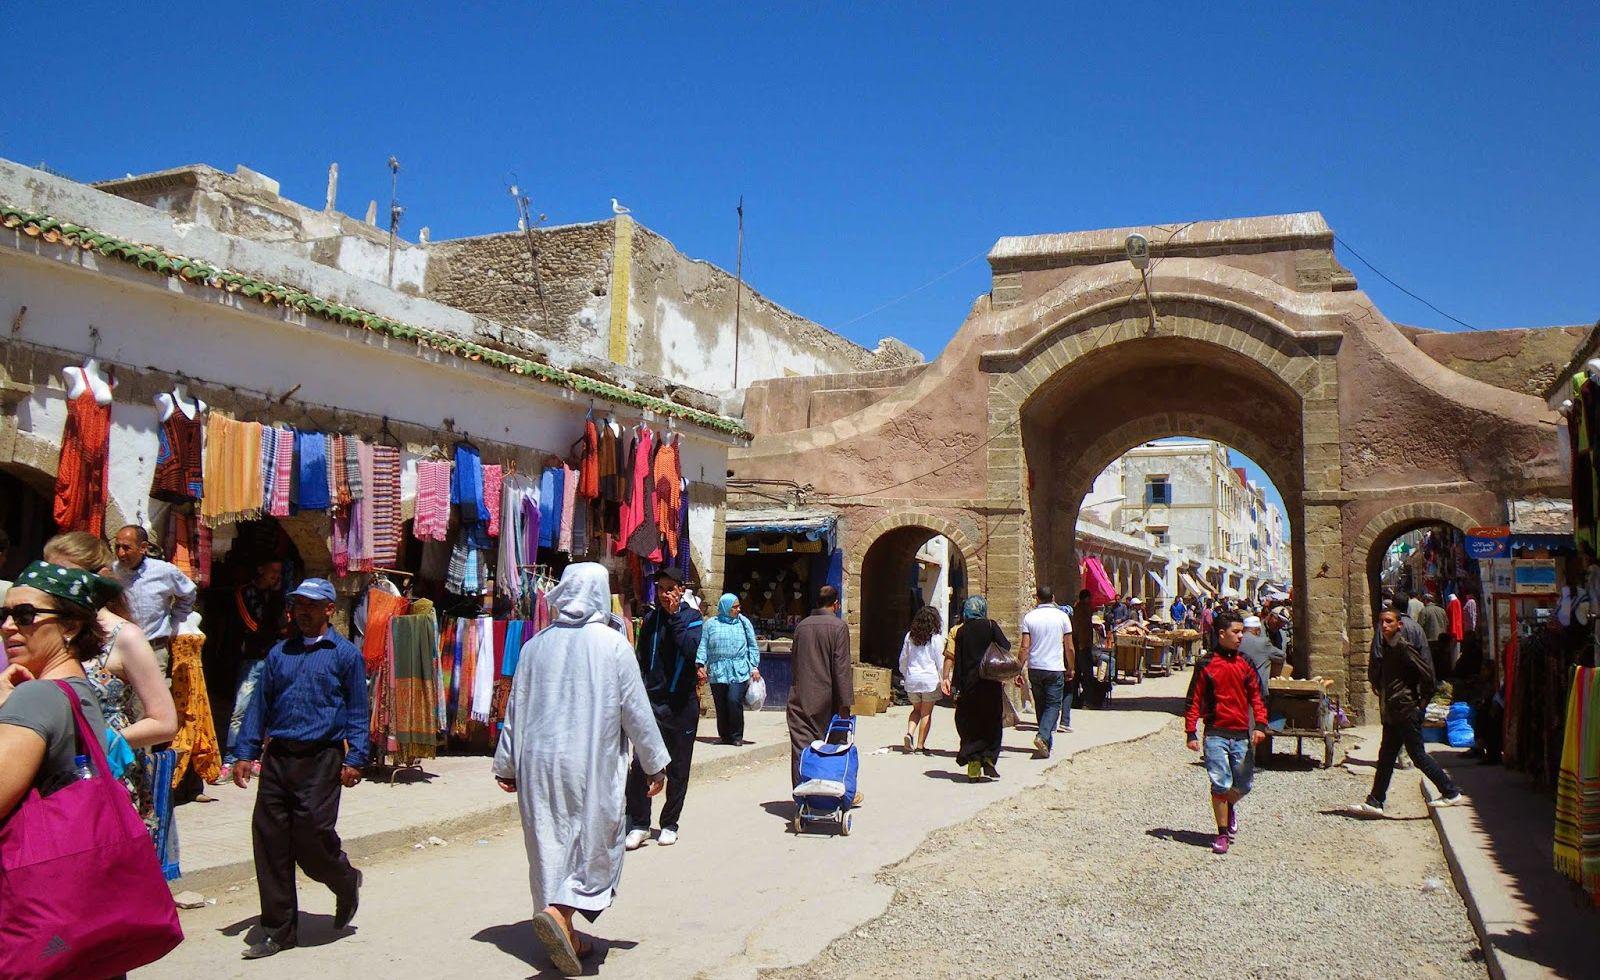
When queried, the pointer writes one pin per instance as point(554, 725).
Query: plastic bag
point(755, 696)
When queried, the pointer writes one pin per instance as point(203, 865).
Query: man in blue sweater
point(311, 711)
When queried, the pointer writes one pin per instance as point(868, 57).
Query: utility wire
point(1403, 289)
point(908, 295)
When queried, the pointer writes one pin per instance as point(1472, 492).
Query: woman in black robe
point(980, 703)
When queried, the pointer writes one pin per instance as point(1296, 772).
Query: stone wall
point(1525, 360)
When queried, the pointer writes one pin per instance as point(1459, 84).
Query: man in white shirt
point(160, 597)
point(1047, 655)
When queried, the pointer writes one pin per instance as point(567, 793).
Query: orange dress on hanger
point(80, 497)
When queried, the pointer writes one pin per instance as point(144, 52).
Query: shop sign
point(1497, 576)
point(1535, 576)
point(1489, 542)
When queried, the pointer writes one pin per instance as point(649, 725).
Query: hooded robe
point(576, 715)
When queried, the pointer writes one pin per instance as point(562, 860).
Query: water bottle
point(81, 767)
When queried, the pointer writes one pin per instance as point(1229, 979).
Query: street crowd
point(597, 728)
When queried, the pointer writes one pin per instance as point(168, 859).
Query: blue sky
point(881, 149)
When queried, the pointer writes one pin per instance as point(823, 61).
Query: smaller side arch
point(910, 523)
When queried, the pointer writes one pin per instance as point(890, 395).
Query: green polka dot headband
point(73, 585)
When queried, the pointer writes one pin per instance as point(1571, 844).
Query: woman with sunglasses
point(49, 629)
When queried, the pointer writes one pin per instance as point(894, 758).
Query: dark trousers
point(729, 700)
point(1406, 734)
point(1049, 691)
point(678, 727)
point(297, 806)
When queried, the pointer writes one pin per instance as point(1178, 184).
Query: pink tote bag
point(81, 892)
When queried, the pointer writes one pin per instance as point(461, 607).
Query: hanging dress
point(80, 497)
point(178, 473)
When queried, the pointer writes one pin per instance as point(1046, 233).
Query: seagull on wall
point(619, 208)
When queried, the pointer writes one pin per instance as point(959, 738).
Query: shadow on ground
point(517, 939)
point(1194, 838)
point(315, 929)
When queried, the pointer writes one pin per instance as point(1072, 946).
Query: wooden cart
point(1130, 657)
point(1309, 712)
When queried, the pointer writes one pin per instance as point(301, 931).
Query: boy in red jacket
point(1227, 694)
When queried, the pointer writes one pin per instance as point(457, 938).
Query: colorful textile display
point(233, 471)
point(432, 520)
point(493, 477)
point(519, 533)
point(414, 726)
point(81, 488)
point(195, 746)
point(483, 671)
point(385, 506)
point(282, 473)
point(381, 608)
point(1577, 827)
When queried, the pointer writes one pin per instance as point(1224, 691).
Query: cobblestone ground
point(1106, 871)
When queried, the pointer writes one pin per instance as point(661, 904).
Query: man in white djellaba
point(577, 714)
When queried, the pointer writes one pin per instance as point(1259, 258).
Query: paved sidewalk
point(1531, 921)
point(451, 796)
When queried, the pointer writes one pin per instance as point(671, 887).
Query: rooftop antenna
point(395, 211)
point(525, 223)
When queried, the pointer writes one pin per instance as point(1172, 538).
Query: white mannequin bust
point(180, 399)
point(91, 377)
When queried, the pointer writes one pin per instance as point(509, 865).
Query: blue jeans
point(249, 679)
point(1230, 763)
point(1049, 690)
point(729, 702)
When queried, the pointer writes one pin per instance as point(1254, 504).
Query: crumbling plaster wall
point(1522, 360)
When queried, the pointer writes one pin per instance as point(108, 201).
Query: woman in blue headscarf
point(980, 703)
point(729, 659)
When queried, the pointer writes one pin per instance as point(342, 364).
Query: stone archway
point(1382, 529)
point(877, 608)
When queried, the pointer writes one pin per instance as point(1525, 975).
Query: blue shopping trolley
point(828, 770)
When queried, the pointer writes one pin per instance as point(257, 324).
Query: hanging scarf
point(269, 466)
point(233, 461)
point(589, 463)
point(354, 484)
point(493, 476)
point(569, 501)
point(384, 504)
point(413, 722)
point(432, 521)
point(381, 608)
point(1577, 822)
point(311, 484)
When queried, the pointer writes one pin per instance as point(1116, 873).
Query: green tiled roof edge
point(157, 260)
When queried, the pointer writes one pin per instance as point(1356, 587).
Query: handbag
point(80, 886)
point(998, 664)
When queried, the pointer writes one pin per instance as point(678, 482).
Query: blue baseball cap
point(314, 588)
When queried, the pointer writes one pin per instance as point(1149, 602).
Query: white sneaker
point(667, 838)
point(1371, 809)
point(635, 839)
point(1445, 801)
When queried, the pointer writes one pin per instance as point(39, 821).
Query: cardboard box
point(872, 680)
point(869, 704)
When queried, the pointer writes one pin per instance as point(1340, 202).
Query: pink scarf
point(432, 521)
point(282, 473)
point(493, 477)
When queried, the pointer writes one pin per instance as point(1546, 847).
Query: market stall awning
point(807, 527)
point(1194, 585)
point(1161, 586)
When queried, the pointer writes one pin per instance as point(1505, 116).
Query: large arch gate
point(1042, 466)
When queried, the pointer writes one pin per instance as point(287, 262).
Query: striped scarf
point(384, 502)
point(282, 473)
point(432, 521)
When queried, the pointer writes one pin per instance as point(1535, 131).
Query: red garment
point(178, 477)
point(80, 498)
point(668, 473)
point(589, 464)
point(1457, 627)
point(1227, 694)
point(633, 506)
point(381, 607)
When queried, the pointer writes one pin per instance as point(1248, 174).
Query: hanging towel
point(282, 473)
point(492, 478)
point(432, 522)
point(483, 672)
point(569, 500)
point(311, 487)
point(384, 501)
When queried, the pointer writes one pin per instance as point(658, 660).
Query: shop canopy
point(806, 527)
point(1194, 585)
point(1161, 587)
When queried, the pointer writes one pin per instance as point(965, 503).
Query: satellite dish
point(1138, 251)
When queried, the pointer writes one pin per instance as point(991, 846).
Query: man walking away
point(259, 616)
point(1266, 658)
point(1049, 663)
point(1227, 696)
point(669, 640)
point(159, 596)
point(1403, 679)
point(1411, 605)
point(824, 680)
point(577, 713)
point(312, 706)
point(1435, 623)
